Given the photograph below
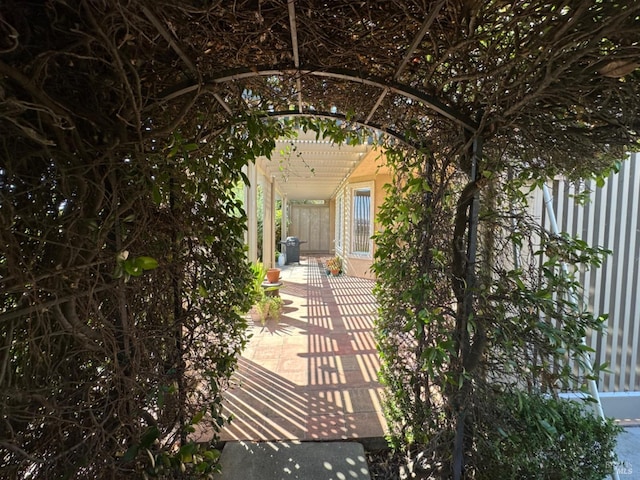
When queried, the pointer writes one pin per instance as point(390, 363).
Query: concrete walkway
point(346, 460)
point(628, 450)
point(294, 460)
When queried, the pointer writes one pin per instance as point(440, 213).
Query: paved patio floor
point(313, 374)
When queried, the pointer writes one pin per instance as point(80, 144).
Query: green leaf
point(197, 417)
point(132, 269)
point(151, 458)
point(550, 429)
point(156, 195)
point(149, 437)
point(119, 271)
point(186, 452)
point(146, 263)
point(174, 149)
point(211, 455)
point(130, 454)
point(190, 147)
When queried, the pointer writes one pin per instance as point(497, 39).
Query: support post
point(465, 305)
point(269, 223)
point(251, 207)
point(285, 219)
point(472, 229)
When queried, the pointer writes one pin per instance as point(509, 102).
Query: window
point(362, 220)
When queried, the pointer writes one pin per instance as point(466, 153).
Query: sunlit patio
point(313, 374)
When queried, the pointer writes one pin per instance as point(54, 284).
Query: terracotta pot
point(273, 275)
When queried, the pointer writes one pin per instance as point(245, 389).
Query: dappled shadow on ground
point(313, 374)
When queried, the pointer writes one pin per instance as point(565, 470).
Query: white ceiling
point(308, 169)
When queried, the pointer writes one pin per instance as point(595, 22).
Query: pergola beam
point(416, 41)
point(155, 21)
point(294, 45)
point(418, 38)
point(224, 104)
point(377, 105)
point(342, 74)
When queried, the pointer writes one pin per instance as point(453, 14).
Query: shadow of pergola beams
point(313, 375)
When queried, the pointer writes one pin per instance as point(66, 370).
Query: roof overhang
point(306, 168)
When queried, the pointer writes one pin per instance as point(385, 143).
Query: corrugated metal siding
point(610, 220)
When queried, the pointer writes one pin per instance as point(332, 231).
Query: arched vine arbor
point(125, 125)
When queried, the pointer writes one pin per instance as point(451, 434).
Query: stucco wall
point(371, 170)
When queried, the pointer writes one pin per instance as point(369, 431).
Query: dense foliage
point(125, 277)
point(450, 370)
point(121, 256)
point(534, 437)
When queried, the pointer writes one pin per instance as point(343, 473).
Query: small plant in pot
point(269, 307)
point(263, 306)
point(265, 302)
point(334, 265)
point(275, 308)
point(259, 272)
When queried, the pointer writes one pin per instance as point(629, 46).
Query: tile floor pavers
point(311, 376)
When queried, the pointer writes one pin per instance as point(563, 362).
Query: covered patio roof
point(306, 168)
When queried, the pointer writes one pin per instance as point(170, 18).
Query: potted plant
point(263, 307)
point(266, 303)
point(268, 306)
point(259, 272)
point(275, 307)
point(334, 265)
point(273, 275)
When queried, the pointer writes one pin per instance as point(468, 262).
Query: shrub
point(540, 437)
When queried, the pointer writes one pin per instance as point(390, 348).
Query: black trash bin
point(292, 251)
